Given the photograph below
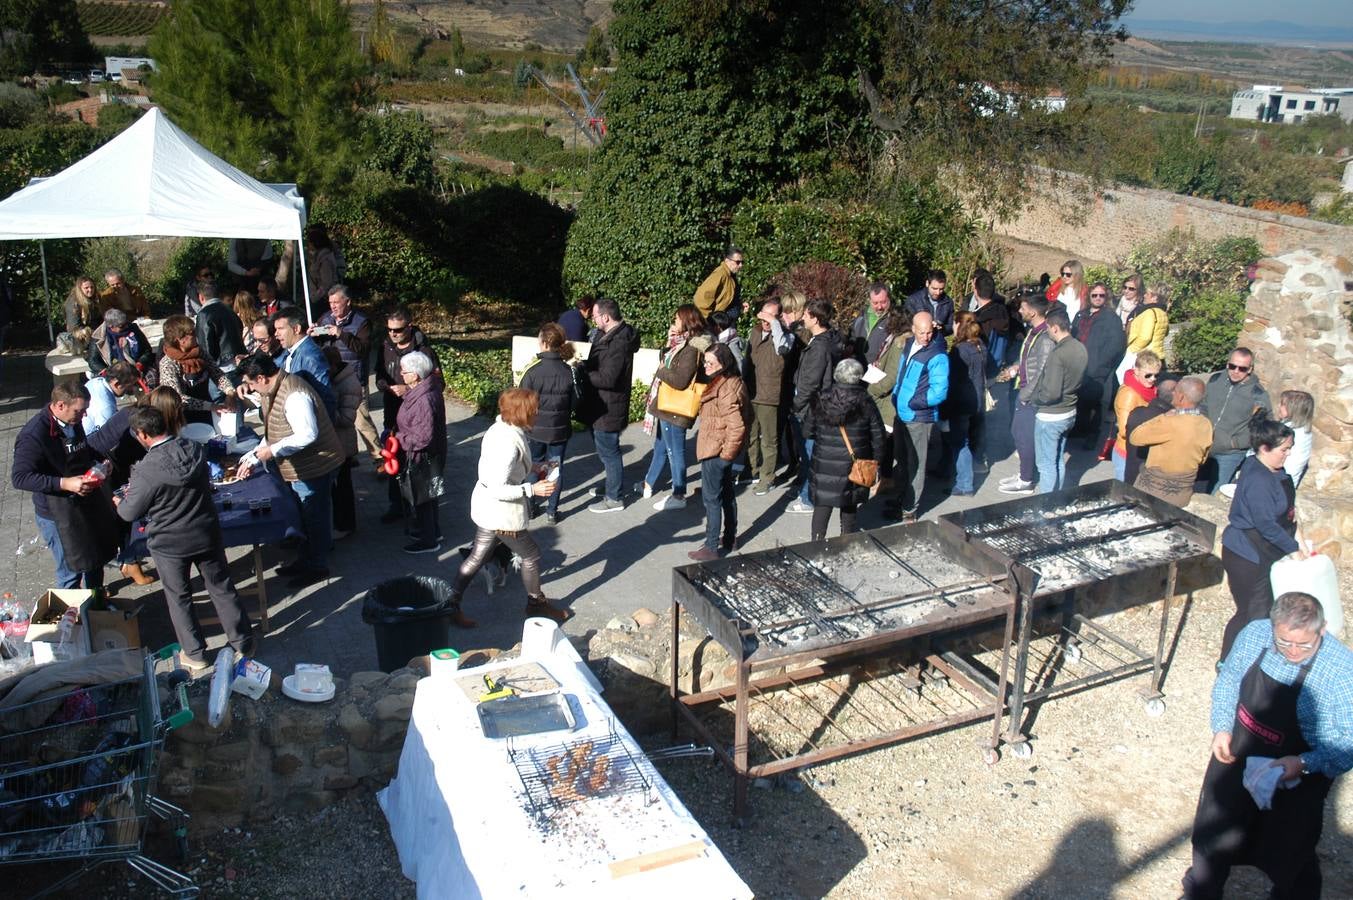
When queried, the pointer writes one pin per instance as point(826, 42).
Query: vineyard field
point(119, 18)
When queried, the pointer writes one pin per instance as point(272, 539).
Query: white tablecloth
point(463, 830)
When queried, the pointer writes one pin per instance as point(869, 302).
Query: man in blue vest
point(922, 385)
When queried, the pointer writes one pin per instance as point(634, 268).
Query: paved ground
point(600, 566)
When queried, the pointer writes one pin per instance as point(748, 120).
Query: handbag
point(422, 481)
point(864, 472)
point(684, 403)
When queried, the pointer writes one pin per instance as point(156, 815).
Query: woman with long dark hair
point(965, 408)
point(1263, 525)
point(724, 409)
point(687, 341)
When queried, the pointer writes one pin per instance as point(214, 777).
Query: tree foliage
point(596, 53)
point(273, 86)
point(35, 32)
point(713, 102)
point(960, 85)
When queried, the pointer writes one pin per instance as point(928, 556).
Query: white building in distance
point(1291, 105)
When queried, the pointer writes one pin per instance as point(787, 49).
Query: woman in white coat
point(500, 504)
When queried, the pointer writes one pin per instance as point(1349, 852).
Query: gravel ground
point(1102, 809)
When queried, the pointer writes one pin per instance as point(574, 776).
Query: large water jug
point(1313, 575)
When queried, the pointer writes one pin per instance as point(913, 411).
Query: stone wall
point(275, 755)
point(1297, 322)
point(1120, 218)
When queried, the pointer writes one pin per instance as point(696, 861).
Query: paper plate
point(289, 688)
point(200, 432)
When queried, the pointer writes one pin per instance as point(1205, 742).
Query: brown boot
point(135, 573)
point(460, 620)
point(539, 606)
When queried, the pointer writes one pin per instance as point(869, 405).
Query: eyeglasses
point(1150, 376)
point(1295, 645)
point(405, 330)
point(1067, 275)
point(736, 262)
point(1235, 368)
point(1100, 296)
point(1130, 287)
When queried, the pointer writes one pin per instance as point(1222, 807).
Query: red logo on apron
point(1257, 728)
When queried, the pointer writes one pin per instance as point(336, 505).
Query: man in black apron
point(1285, 692)
point(75, 515)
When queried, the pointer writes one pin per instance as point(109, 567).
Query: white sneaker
point(1018, 487)
point(643, 489)
point(671, 501)
point(1009, 480)
point(798, 506)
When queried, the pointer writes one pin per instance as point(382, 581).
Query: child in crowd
point(1296, 410)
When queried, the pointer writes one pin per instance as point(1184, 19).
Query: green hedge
point(476, 373)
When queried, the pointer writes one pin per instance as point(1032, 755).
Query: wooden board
point(656, 860)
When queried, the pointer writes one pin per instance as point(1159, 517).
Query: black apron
point(88, 526)
point(1228, 827)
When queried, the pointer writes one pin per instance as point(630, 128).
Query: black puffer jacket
point(967, 381)
point(610, 374)
point(551, 378)
point(814, 375)
point(172, 489)
point(842, 405)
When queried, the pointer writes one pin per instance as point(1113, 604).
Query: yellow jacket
point(136, 307)
point(718, 291)
point(1147, 330)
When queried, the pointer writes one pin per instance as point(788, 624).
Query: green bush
point(1190, 265)
point(528, 147)
point(1212, 321)
point(187, 256)
point(402, 145)
point(638, 401)
point(19, 106)
point(476, 373)
point(104, 253)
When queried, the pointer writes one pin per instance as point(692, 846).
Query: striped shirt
point(1324, 706)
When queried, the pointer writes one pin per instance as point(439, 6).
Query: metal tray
point(520, 716)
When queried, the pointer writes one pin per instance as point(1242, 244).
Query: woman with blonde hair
point(681, 365)
point(1138, 389)
point(246, 307)
point(1296, 410)
point(1070, 289)
point(82, 310)
point(1134, 294)
point(552, 378)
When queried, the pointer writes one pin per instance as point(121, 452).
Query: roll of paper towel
point(1314, 575)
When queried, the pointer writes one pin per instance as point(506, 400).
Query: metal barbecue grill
point(813, 612)
point(1073, 539)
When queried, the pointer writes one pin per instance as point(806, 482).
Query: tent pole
point(305, 279)
point(47, 291)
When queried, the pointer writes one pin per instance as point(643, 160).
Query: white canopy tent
point(154, 180)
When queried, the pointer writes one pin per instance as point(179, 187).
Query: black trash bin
point(411, 617)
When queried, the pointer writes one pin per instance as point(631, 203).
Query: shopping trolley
point(77, 778)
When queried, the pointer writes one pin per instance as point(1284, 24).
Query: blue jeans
point(1050, 452)
point(66, 578)
point(1120, 466)
point(316, 496)
point(608, 451)
point(540, 452)
point(965, 441)
point(1227, 465)
point(806, 470)
point(668, 445)
point(721, 501)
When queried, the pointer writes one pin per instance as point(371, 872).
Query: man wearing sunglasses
point(1233, 395)
point(1284, 694)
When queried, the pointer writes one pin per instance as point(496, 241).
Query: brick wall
point(1120, 218)
point(86, 110)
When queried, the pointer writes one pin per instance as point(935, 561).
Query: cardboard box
point(115, 628)
point(45, 622)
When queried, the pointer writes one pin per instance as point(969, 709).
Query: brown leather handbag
point(864, 472)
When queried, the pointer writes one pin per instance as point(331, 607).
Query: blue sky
point(1301, 12)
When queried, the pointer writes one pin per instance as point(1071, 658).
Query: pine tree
point(272, 86)
point(34, 32)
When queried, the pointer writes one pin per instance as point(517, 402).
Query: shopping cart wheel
point(1155, 707)
point(991, 756)
point(1022, 750)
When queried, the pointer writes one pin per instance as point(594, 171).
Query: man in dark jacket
point(1054, 401)
point(172, 490)
point(350, 331)
point(402, 337)
point(991, 312)
point(1100, 331)
point(870, 328)
point(574, 321)
point(932, 299)
point(922, 384)
point(822, 351)
point(1232, 397)
point(303, 356)
point(552, 380)
point(1163, 403)
point(606, 406)
point(74, 516)
point(219, 331)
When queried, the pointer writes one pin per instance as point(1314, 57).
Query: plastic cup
point(255, 507)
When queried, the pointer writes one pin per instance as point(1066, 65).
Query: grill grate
point(560, 775)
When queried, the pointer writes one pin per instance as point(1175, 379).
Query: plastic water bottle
point(65, 630)
point(219, 702)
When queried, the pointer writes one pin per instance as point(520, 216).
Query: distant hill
point(1266, 32)
point(553, 24)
